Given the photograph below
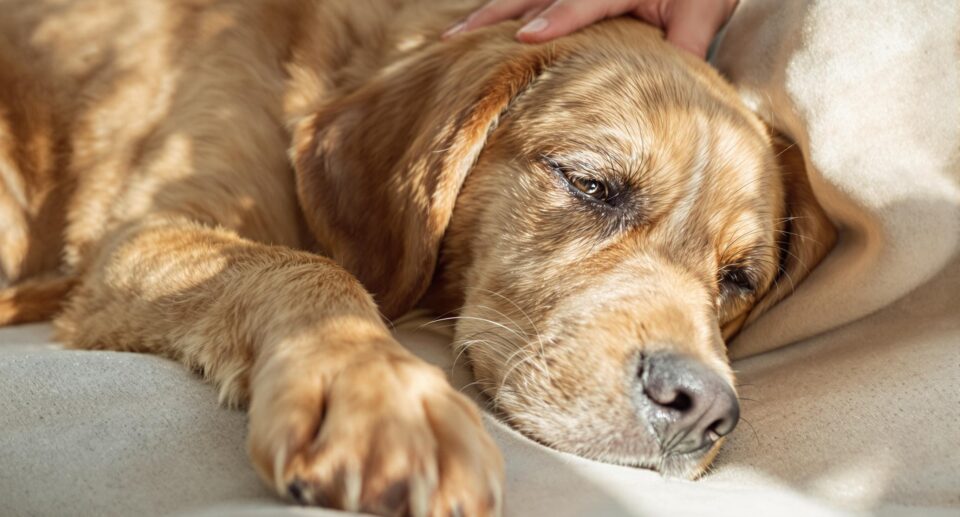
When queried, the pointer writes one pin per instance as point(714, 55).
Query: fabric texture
point(871, 94)
point(861, 416)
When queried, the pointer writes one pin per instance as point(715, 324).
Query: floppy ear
point(379, 169)
point(806, 233)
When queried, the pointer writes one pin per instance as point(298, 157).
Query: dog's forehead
point(673, 138)
point(692, 151)
point(627, 105)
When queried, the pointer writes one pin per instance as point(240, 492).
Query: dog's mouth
point(644, 452)
point(670, 418)
point(599, 387)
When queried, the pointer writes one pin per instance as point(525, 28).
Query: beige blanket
point(871, 93)
point(862, 419)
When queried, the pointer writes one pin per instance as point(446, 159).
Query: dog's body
point(146, 143)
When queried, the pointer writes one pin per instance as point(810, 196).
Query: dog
point(255, 188)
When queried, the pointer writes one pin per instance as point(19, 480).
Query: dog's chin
point(638, 450)
point(690, 465)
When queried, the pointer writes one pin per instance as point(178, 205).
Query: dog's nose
point(697, 405)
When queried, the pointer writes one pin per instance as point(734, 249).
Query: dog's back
point(110, 111)
point(105, 109)
point(34, 187)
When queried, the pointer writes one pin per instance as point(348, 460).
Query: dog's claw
point(296, 491)
point(383, 460)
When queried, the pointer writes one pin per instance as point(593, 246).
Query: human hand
point(689, 24)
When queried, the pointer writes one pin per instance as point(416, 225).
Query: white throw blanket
point(863, 418)
point(871, 93)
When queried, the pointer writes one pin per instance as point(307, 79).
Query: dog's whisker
point(462, 347)
point(785, 149)
point(756, 435)
point(511, 320)
point(536, 330)
point(493, 344)
point(511, 369)
point(476, 318)
point(465, 387)
point(441, 318)
point(511, 302)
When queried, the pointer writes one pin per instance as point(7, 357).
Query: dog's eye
point(737, 278)
point(590, 187)
point(593, 188)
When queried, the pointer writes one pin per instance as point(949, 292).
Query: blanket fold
point(871, 93)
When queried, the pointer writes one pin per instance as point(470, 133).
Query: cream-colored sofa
point(851, 388)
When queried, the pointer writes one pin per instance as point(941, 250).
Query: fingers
point(546, 19)
point(689, 24)
point(692, 24)
point(565, 16)
point(496, 11)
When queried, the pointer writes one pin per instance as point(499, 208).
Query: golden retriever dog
point(256, 187)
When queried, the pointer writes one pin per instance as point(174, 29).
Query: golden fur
point(247, 185)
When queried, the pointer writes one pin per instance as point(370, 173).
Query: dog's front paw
point(387, 436)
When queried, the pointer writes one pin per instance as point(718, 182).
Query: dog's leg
point(340, 414)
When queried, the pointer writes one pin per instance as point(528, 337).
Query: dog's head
point(606, 213)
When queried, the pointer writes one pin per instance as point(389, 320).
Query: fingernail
point(536, 25)
point(454, 30)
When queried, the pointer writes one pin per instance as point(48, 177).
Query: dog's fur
point(242, 184)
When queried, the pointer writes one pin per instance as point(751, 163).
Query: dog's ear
point(806, 234)
point(379, 169)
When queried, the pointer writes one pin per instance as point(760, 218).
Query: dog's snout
point(696, 404)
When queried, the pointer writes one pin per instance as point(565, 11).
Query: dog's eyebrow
point(592, 158)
